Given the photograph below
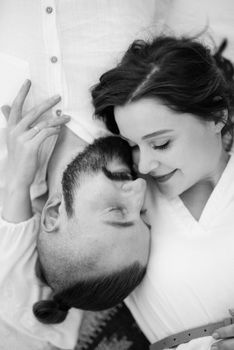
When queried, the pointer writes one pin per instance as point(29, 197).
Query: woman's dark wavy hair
point(181, 72)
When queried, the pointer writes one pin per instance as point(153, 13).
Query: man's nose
point(147, 163)
point(134, 192)
point(136, 186)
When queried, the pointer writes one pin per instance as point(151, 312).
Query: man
point(93, 244)
point(63, 46)
point(94, 233)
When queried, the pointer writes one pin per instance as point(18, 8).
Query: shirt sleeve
point(20, 288)
point(17, 241)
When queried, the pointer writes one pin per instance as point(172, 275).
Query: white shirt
point(64, 46)
point(190, 276)
point(20, 289)
point(212, 20)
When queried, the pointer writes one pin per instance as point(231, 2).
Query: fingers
point(231, 312)
point(42, 136)
point(227, 344)
point(17, 106)
point(224, 332)
point(50, 123)
point(54, 122)
point(37, 111)
point(6, 110)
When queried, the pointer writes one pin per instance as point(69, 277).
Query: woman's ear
point(50, 217)
point(223, 117)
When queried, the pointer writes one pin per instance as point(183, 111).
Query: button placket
point(58, 112)
point(53, 59)
point(49, 9)
point(52, 48)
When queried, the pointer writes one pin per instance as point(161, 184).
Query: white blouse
point(190, 276)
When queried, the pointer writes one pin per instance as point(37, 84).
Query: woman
point(173, 103)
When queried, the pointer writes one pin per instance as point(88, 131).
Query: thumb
point(6, 110)
point(231, 312)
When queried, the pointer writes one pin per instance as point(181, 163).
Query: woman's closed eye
point(161, 146)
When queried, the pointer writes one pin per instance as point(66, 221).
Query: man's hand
point(226, 336)
point(25, 134)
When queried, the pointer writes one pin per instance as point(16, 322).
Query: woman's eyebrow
point(156, 133)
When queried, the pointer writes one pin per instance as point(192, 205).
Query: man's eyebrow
point(156, 133)
point(119, 223)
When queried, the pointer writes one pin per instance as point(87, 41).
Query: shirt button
point(49, 9)
point(58, 112)
point(54, 59)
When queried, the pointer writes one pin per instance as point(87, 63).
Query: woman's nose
point(146, 164)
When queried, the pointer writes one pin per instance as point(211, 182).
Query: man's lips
point(164, 178)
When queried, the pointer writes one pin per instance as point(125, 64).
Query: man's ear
point(223, 115)
point(50, 217)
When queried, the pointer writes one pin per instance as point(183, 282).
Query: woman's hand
point(25, 134)
point(225, 335)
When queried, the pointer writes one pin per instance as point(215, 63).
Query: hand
point(24, 137)
point(24, 140)
point(226, 336)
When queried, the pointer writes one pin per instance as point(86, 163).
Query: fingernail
point(56, 97)
point(66, 116)
point(126, 187)
point(27, 81)
point(214, 347)
point(215, 335)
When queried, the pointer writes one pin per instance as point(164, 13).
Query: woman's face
point(178, 150)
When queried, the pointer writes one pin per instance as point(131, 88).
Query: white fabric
point(190, 276)
point(20, 289)
point(212, 17)
point(87, 37)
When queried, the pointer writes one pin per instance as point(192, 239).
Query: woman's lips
point(165, 177)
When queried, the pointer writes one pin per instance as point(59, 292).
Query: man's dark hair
point(92, 293)
point(92, 160)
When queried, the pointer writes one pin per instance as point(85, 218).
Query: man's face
point(108, 218)
point(105, 223)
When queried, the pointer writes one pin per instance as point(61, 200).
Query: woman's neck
point(196, 197)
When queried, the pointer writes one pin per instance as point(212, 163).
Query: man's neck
point(67, 147)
